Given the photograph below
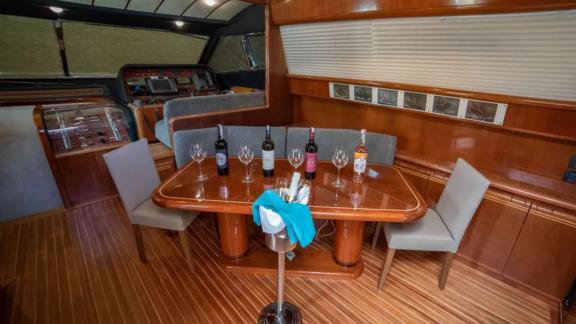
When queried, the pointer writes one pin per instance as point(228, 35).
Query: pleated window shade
point(527, 55)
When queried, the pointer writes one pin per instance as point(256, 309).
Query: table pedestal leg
point(348, 243)
point(233, 234)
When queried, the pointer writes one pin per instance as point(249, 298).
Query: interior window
point(229, 55)
point(28, 48)
point(97, 50)
point(255, 44)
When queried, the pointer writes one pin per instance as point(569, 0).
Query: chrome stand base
point(290, 314)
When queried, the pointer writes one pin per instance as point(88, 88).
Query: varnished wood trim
point(298, 11)
point(497, 184)
point(555, 104)
point(15, 96)
point(89, 150)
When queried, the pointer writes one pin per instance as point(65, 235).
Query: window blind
point(528, 55)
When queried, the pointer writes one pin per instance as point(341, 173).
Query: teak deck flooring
point(81, 266)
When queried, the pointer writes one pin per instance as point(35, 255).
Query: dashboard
point(152, 84)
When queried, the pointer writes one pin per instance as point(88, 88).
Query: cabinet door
point(86, 177)
point(493, 231)
point(545, 255)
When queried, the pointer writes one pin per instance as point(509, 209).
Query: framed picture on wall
point(481, 111)
point(362, 93)
point(387, 97)
point(415, 100)
point(338, 90)
point(446, 105)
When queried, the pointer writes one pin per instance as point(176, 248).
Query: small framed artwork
point(446, 105)
point(338, 90)
point(362, 93)
point(569, 176)
point(572, 163)
point(481, 111)
point(415, 100)
point(387, 97)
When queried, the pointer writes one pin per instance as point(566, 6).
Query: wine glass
point(296, 157)
point(198, 154)
point(281, 186)
point(339, 159)
point(246, 155)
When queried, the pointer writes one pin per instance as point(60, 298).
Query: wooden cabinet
point(164, 160)
point(544, 257)
point(493, 231)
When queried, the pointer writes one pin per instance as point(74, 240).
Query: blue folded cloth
point(296, 217)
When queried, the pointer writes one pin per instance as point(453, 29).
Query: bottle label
point(310, 165)
point(268, 160)
point(360, 162)
point(221, 159)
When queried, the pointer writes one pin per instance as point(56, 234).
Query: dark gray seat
point(234, 135)
point(381, 147)
point(204, 104)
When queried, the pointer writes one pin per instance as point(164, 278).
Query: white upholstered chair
point(135, 176)
point(443, 227)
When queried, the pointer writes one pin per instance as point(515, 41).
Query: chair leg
point(186, 248)
point(445, 270)
point(387, 265)
point(376, 235)
point(139, 242)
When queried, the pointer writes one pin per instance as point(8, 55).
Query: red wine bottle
point(221, 153)
point(311, 157)
point(268, 154)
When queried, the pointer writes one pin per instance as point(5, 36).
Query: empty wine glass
point(246, 155)
point(281, 186)
point(296, 157)
point(198, 154)
point(339, 159)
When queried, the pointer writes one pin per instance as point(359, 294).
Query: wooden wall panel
point(544, 256)
point(301, 11)
point(525, 157)
point(491, 235)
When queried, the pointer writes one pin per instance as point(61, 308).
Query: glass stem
point(199, 169)
point(246, 176)
point(338, 177)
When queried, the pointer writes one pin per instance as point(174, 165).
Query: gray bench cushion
point(381, 147)
point(234, 135)
point(205, 104)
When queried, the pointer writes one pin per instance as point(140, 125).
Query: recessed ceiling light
point(178, 23)
point(210, 2)
point(56, 9)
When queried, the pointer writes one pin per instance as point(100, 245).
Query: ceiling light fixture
point(210, 2)
point(179, 23)
point(57, 10)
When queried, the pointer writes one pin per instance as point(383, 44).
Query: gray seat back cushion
point(134, 173)
point(381, 147)
point(461, 197)
point(234, 135)
point(205, 104)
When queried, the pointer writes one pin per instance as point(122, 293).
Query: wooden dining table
point(384, 195)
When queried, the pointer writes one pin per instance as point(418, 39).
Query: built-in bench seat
point(205, 104)
point(382, 147)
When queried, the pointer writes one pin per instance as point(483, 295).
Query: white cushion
point(426, 234)
point(149, 214)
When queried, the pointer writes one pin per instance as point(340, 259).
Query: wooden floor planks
point(81, 266)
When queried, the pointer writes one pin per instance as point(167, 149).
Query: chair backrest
point(134, 173)
point(234, 135)
point(461, 197)
point(381, 147)
point(204, 104)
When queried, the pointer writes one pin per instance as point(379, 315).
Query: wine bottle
point(360, 158)
point(221, 153)
point(268, 154)
point(311, 156)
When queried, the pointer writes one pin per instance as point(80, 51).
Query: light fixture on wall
point(210, 2)
point(179, 23)
point(57, 10)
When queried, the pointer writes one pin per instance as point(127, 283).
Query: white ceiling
point(209, 9)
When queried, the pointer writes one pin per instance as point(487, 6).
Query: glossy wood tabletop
point(384, 195)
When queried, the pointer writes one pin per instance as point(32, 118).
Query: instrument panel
point(159, 83)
